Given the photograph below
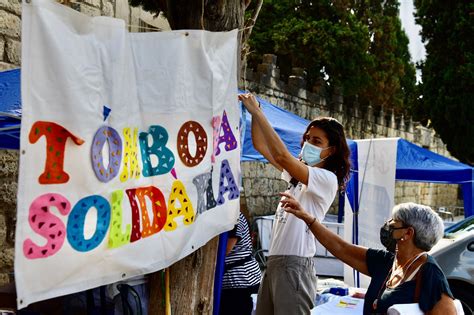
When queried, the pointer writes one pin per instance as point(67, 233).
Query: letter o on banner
point(111, 136)
point(77, 218)
point(183, 145)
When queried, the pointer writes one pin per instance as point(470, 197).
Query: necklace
point(386, 283)
point(397, 271)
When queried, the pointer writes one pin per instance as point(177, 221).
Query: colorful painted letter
point(111, 136)
point(117, 236)
point(182, 143)
point(159, 149)
point(228, 137)
point(46, 224)
point(232, 188)
point(136, 232)
point(203, 183)
point(158, 207)
point(56, 137)
point(216, 130)
point(131, 169)
point(77, 218)
point(178, 193)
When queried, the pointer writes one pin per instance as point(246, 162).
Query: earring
point(402, 239)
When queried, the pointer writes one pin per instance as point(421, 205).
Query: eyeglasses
point(392, 228)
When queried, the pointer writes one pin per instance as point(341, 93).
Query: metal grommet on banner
point(185, 34)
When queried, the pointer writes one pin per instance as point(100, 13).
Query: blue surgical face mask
point(311, 154)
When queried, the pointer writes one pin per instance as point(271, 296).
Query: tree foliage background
point(448, 73)
point(356, 44)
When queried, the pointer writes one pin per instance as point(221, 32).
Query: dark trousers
point(237, 301)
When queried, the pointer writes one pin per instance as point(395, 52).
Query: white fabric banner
point(377, 160)
point(130, 149)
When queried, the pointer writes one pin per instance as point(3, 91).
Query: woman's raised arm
point(267, 141)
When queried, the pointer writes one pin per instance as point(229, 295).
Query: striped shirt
point(242, 269)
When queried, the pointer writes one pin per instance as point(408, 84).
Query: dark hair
point(338, 162)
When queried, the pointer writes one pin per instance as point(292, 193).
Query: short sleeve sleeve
point(434, 284)
point(238, 230)
point(233, 232)
point(322, 183)
point(378, 261)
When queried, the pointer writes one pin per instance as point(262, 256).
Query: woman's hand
point(250, 102)
point(291, 205)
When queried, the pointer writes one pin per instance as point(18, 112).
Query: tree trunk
point(211, 15)
point(192, 278)
point(191, 283)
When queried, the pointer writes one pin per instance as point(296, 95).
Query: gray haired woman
point(404, 273)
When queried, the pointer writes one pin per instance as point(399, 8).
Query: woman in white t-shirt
point(289, 283)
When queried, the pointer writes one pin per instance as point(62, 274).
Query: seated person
point(404, 273)
point(241, 272)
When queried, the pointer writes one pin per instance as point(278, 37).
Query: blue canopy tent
point(10, 109)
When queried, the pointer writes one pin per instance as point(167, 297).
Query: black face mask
point(386, 237)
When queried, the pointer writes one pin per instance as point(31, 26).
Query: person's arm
point(352, 255)
point(445, 306)
point(231, 241)
point(261, 146)
point(266, 136)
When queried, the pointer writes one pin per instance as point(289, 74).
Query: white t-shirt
point(290, 235)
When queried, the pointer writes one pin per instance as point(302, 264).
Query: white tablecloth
point(340, 306)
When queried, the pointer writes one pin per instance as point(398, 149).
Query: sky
point(416, 47)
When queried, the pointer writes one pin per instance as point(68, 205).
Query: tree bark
point(192, 278)
point(191, 283)
point(211, 15)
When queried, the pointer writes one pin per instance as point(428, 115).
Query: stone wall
point(10, 29)
point(8, 187)
point(10, 51)
point(262, 182)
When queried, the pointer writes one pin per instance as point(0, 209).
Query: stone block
point(4, 279)
point(8, 194)
point(278, 186)
point(260, 187)
point(265, 69)
point(10, 24)
point(248, 187)
point(107, 8)
point(303, 94)
point(271, 172)
point(259, 205)
point(245, 166)
point(86, 9)
point(2, 48)
point(6, 258)
point(13, 6)
point(269, 58)
point(268, 92)
point(94, 3)
point(3, 231)
point(8, 163)
point(7, 66)
point(11, 226)
point(13, 51)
